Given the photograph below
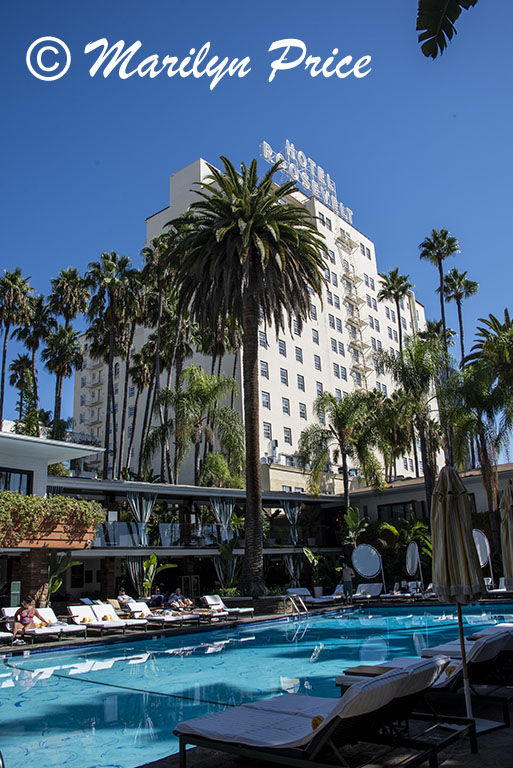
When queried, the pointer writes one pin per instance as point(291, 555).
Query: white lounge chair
point(61, 623)
point(106, 612)
point(215, 603)
point(83, 614)
point(307, 596)
point(367, 591)
point(140, 610)
point(501, 590)
point(39, 631)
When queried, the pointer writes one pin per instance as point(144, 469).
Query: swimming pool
point(115, 706)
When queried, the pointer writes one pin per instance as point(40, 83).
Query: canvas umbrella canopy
point(506, 510)
point(457, 574)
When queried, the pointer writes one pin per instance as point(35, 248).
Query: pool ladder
point(297, 604)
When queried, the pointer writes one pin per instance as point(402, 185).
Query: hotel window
point(384, 389)
point(389, 331)
point(334, 279)
point(339, 325)
point(317, 362)
point(116, 370)
point(341, 350)
point(313, 312)
point(405, 462)
point(343, 373)
point(366, 279)
point(374, 305)
point(322, 419)
point(266, 400)
point(284, 377)
point(378, 386)
point(331, 321)
point(355, 354)
point(297, 489)
point(267, 431)
point(285, 405)
point(376, 324)
point(371, 322)
point(83, 381)
point(352, 331)
point(131, 391)
point(395, 336)
point(332, 257)
point(410, 462)
point(315, 336)
point(287, 435)
point(327, 274)
point(301, 382)
point(328, 223)
point(299, 354)
point(401, 304)
point(379, 344)
point(358, 379)
point(286, 488)
point(333, 345)
point(82, 399)
point(329, 297)
point(320, 216)
point(336, 301)
point(336, 370)
point(282, 348)
point(373, 342)
point(367, 253)
point(302, 411)
point(295, 326)
point(387, 313)
point(82, 418)
point(362, 249)
point(84, 364)
point(392, 352)
point(261, 313)
point(131, 410)
point(262, 339)
point(403, 323)
point(338, 395)
point(116, 388)
point(350, 308)
point(264, 369)
point(393, 316)
point(319, 388)
point(371, 283)
point(369, 300)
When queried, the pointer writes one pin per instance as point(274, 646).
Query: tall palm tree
point(40, 324)
point(140, 375)
point(108, 280)
point(62, 353)
point(434, 332)
point(17, 370)
point(494, 348)
point(69, 296)
point(251, 249)
point(395, 429)
point(436, 249)
point(343, 419)
point(14, 310)
point(395, 287)
point(456, 288)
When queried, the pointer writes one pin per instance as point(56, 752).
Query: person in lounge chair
point(177, 600)
point(123, 598)
point(24, 619)
point(157, 599)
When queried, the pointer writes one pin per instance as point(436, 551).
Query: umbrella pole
point(466, 684)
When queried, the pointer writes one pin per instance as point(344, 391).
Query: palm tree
point(456, 288)
point(436, 249)
point(342, 421)
point(140, 375)
point(14, 296)
point(69, 296)
point(251, 250)
point(62, 353)
point(39, 326)
point(435, 22)
point(434, 332)
point(395, 430)
point(17, 369)
point(494, 348)
point(395, 287)
point(108, 279)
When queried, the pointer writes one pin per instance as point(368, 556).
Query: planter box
point(56, 538)
point(273, 604)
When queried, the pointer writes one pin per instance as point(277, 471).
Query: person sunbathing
point(24, 619)
point(178, 600)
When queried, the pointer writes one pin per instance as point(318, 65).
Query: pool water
point(115, 706)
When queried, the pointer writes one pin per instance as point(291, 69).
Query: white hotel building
point(334, 351)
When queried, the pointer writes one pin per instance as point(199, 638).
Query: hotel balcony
point(96, 383)
point(346, 243)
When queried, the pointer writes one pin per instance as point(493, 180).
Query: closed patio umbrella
point(506, 510)
point(457, 574)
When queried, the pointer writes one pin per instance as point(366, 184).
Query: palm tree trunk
point(134, 421)
point(197, 462)
point(36, 395)
point(145, 426)
point(442, 305)
point(399, 325)
point(2, 383)
point(460, 322)
point(125, 398)
point(113, 411)
point(489, 475)
point(106, 441)
point(414, 451)
point(58, 404)
point(234, 374)
point(345, 480)
point(251, 579)
point(428, 480)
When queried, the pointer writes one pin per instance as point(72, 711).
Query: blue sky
point(413, 146)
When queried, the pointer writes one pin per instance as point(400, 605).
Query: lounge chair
point(83, 614)
point(61, 623)
point(215, 603)
point(307, 596)
point(140, 610)
point(39, 631)
point(294, 729)
point(107, 613)
point(367, 591)
point(501, 590)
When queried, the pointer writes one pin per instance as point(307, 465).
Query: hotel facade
point(334, 351)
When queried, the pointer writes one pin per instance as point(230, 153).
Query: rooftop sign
point(308, 175)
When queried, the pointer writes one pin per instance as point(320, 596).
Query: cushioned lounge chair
point(294, 729)
point(216, 604)
point(61, 623)
point(39, 631)
point(107, 613)
point(367, 591)
point(83, 614)
point(307, 596)
point(140, 610)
